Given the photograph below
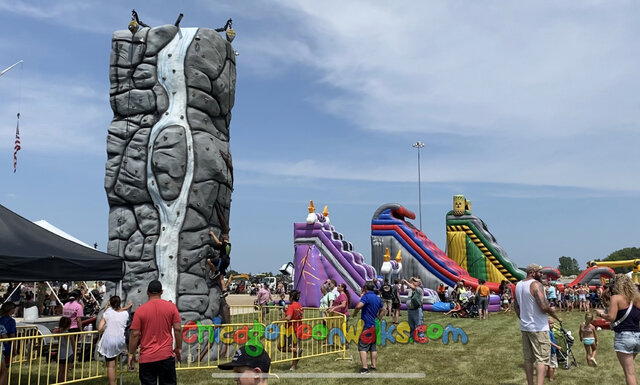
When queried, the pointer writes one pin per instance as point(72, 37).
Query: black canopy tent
point(30, 253)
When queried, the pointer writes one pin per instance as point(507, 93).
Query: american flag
point(16, 146)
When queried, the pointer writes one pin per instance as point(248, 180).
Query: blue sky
point(530, 109)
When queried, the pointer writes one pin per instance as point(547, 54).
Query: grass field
point(492, 355)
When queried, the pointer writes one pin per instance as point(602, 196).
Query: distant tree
point(568, 266)
point(622, 255)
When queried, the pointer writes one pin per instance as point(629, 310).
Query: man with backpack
point(414, 304)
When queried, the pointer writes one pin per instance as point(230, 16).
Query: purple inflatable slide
point(322, 253)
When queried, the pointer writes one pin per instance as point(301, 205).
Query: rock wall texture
point(169, 164)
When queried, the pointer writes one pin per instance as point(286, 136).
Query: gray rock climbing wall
point(172, 91)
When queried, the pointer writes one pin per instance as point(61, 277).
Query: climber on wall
point(220, 263)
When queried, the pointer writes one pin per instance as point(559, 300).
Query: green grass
point(493, 355)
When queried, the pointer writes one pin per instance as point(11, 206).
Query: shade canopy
point(28, 252)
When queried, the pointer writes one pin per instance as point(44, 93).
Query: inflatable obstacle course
point(474, 248)
point(632, 263)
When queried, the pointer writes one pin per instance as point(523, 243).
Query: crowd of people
point(156, 324)
point(50, 300)
point(535, 305)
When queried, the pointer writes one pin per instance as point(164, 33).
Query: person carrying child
point(589, 338)
point(553, 360)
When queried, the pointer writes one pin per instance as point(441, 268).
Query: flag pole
point(7, 69)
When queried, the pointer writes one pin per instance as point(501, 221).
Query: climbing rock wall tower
point(169, 163)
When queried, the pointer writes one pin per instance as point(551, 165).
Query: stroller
point(469, 309)
point(565, 356)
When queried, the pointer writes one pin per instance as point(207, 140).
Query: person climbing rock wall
point(169, 175)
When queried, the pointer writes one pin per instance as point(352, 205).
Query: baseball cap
point(155, 287)
point(533, 267)
point(243, 358)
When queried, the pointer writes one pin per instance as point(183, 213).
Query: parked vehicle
point(271, 281)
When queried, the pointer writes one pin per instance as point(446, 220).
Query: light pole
point(419, 145)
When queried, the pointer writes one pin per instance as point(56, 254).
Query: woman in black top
point(624, 315)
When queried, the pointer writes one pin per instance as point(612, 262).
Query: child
point(589, 338)
point(553, 360)
point(288, 338)
point(65, 348)
point(282, 303)
point(455, 311)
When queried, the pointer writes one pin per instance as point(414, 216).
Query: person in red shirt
point(152, 325)
point(289, 341)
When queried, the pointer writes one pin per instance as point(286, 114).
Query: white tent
point(48, 226)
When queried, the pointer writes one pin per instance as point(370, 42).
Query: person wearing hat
point(152, 327)
point(252, 368)
point(532, 307)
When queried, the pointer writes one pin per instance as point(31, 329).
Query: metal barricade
point(60, 358)
point(207, 346)
point(241, 314)
point(25, 349)
point(270, 314)
point(273, 313)
point(287, 341)
point(314, 312)
point(64, 358)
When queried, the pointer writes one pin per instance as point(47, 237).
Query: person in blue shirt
point(3, 369)
point(6, 320)
point(371, 306)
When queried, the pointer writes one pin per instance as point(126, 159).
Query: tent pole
point(54, 292)
point(90, 293)
point(14, 290)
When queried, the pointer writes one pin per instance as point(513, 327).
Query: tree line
point(569, 266)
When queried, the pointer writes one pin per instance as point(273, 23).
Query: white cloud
point(433, 67)
point(541, 93)
point(57, 114)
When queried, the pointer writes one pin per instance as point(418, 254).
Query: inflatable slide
point(593, 276)
point(322, 253)
point(551, 273)
point(474, 248)
point(420, 256)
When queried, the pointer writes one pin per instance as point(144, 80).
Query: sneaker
point(594, 361)
point(216, 275)
point(299, 352)
point(372, 368)
point(224, 294)
point(364, 371)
